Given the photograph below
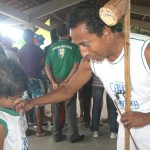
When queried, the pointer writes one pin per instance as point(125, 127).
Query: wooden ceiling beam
point(13, 13)
point(58, 18)
point(18, 17)
point(49, 8)
point(145, 11)
point(139, 23)
point(40, 24)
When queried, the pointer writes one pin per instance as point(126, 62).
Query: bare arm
point(50, 76)
point(2, 137)
point(147, 54)
point(83, 74)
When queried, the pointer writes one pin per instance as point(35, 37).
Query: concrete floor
point(103, 142)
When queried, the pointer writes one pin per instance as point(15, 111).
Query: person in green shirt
point(62, 62)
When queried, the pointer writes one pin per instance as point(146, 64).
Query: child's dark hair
point(87, 13)
point(13, 80)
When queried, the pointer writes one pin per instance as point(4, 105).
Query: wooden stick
point(127, 69)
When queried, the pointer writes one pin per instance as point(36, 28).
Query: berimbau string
point(126, 123)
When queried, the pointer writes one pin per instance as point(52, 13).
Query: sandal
point(29, 132)
point(44, 133)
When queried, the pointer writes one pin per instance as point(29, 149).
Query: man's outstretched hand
point(23, 106)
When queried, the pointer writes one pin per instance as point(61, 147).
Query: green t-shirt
point(61, 57)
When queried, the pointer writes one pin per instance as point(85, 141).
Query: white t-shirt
point(112, 76)
point(15, 126)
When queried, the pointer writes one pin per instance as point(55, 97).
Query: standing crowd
point(59, 62)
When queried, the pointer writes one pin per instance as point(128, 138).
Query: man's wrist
point(148, 117)
point(31, 103)
point(53, 82)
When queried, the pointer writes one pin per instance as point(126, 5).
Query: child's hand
point(23, 106)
